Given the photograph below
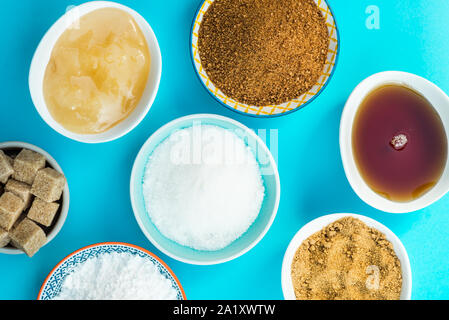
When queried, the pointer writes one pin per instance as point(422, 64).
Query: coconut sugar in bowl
point(259, 58)
point(98, 92)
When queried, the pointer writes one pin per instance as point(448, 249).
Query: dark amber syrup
point(400, 169)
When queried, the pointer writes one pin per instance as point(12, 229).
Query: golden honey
point(97, 72)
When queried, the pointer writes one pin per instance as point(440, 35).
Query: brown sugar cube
point(20, 189)
point(27, 164)
point(48, 185)
point(11, 206)
point(19, 220)
point(43, 212)
point(11, 160)
point(6, 169)
point(28, 236)
point(4, 238)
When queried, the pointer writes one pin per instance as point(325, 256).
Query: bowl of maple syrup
point(96, 72)
point(393, 141)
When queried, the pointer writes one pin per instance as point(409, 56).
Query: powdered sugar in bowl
point(205, 189)
point(108, 271)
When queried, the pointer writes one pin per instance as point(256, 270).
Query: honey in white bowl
point(98, 71)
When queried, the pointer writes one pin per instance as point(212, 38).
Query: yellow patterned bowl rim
point(271, 110)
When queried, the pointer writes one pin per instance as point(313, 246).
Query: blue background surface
point(412, 37)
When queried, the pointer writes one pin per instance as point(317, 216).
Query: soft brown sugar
point(263, 52)
point(347, 260)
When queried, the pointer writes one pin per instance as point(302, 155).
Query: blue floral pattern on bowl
point(52, 285)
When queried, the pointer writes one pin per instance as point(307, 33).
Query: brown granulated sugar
point(347, 260)
point(263, 52)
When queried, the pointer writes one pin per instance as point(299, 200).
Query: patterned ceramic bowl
point(53, 282)
point(272, 110)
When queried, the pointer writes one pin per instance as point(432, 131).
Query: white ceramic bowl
point(318, 224)
point(65, 195)
point(42, 57)
point(440, 102)
point(255, 232)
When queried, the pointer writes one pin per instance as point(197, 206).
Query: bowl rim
point(319, 223)
point(337, 56)
point(117, 244)
point(156, 64)
point(259, 143)
point(65, 195)
point(353, 175)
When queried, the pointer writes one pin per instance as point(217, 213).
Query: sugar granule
point(203, 187)
point(116, 276)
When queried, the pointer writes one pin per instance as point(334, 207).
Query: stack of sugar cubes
point(28, 199)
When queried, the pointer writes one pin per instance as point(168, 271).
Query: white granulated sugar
point(116, 276)
point(203, 188)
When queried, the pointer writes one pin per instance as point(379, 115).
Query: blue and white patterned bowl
point(52, 284)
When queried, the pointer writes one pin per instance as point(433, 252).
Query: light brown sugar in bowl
point(97, 72)
point(347, 260)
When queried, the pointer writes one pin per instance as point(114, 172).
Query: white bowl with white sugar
point(205, 189)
